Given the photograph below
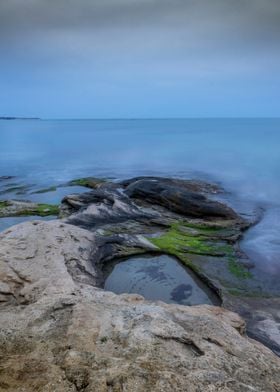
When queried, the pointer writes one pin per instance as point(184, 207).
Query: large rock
point(60, 332)
point(207, 244)
point(183, 197)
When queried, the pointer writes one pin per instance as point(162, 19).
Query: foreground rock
point(60, 332)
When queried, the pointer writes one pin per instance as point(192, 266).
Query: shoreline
point(60, 327)
point(237, 279)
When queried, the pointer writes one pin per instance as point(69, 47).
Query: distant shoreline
point(20, 118)
point(142, 118)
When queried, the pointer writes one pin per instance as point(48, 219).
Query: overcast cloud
point(139, 58)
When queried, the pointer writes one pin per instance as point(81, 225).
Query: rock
point(9, 208)
point(262, 317)
point(206, 244)
point(61, 332)
point(88, 182)
point(179, 196)
point(102, 206)
point(189, 185)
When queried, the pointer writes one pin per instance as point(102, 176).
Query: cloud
point(127, 43)
point(234, 16)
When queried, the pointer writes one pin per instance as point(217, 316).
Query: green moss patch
point(40, 210)
point(4, 204)
point(88, 182)
point(177, 239)
point(9, 209)
point(238, 269)
point(181, 243)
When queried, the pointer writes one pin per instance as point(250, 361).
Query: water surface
point(243, 155)
point(159, 278)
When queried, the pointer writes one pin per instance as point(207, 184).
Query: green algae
point(4, 204)
point(47, 209)
point(88, 182)
point(238, 269)
point(176, 239)
point(179, 242)
point(40, 210)
point(7, 209)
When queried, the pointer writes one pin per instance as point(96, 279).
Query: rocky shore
point(60, 331)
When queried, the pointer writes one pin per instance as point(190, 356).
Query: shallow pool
point(159, 278)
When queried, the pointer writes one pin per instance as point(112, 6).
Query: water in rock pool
point(241, 154)
point(159, 278)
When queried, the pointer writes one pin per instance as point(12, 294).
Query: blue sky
point(140, 59)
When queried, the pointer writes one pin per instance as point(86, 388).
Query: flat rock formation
point(9, 208)
point(60, 331)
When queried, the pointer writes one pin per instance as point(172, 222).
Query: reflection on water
point(159, 278)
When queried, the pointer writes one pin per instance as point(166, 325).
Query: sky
point(140, 58)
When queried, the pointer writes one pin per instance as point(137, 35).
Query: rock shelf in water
point(61, 331)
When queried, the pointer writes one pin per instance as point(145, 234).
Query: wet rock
point(101, 207)
point(63, 333)
point(88, 182)
point(189, 185)
point(262, 316)
point(9, 208)
point(180, 197)
point(60, 331)
point(206, 244)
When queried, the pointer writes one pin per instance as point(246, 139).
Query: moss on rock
point(184, 240)
point(13, 208)
point(88, 182)
point(237, 269)
point(41, 210)
point(176, 239)
point(4, 204)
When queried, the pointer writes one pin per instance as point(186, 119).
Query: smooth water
point(159, 278)
point(241, 154)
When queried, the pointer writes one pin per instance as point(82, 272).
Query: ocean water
point(243, 155)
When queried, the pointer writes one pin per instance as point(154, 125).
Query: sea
point(240, 155)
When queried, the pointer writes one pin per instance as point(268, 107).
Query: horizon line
point(11, 118)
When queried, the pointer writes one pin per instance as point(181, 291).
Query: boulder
point(178, 196)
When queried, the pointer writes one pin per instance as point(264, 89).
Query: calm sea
point(241, 154)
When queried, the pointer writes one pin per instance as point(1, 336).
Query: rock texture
point(9, 208)
point(180, 217)
point(60, 332)
point(183, 197)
